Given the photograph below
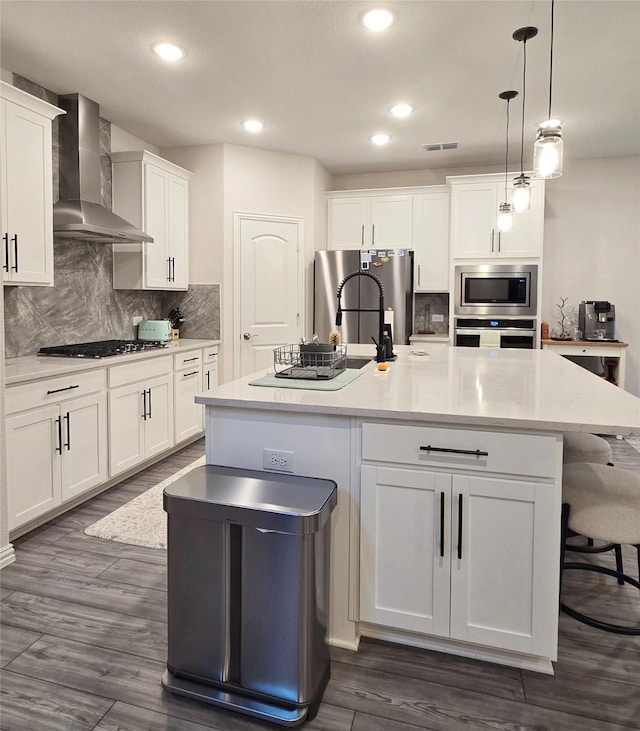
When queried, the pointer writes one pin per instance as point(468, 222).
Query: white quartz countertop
point(524, 389)
point(34, 367)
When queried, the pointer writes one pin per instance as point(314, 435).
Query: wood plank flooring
point(83, 646)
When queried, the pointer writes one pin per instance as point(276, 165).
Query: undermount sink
point(357, 361)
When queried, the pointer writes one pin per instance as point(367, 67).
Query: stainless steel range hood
point(79, 214)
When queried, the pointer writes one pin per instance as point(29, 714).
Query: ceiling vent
point(438, 146)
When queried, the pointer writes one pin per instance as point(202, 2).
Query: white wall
point(402, 178)
point(592, 245)
point(122, 141)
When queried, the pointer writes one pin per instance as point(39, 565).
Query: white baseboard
point(7, 555)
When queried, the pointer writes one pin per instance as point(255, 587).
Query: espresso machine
point(597, 320)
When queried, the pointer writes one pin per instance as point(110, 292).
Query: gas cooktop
point(101, 348)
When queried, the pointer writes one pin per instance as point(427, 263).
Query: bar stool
point(581, 447)
point(601, 502)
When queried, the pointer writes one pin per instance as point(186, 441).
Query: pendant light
point(505, 219)
point(522, 184)
point(548, 148)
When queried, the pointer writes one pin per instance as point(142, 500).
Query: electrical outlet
point(437, 318)
point(278, 459)
point(136, 320)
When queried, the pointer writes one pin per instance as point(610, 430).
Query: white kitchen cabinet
point(187, 382)
point(405, 589)
point(210, 368)
point(153, 194)
point(431, 240)
point(57, 450)
point(449, 552)
point(140, 412)
point(369, 221)
point(26, 187)
point(474, 211)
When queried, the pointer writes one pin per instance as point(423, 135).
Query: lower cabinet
point(54, 452)
point(187, 382)
point(140, 413)
point(458, 556)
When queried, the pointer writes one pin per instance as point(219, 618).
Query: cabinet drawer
point(210, 355)
point(514, 454)
point(53, 390)
point(142, 370)
point(191, 359)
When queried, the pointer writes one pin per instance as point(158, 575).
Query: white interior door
point(268, 283)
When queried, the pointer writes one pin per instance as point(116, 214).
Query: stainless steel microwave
point(496, 289)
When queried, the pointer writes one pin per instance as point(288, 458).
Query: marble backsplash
point(82, 305)
point(426, 305)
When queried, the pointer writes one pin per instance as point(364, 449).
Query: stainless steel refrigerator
point(394, 269)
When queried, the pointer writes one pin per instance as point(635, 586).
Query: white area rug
point(634, 442)
point(142, 521)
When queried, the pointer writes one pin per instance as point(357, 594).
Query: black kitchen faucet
point(384, 348)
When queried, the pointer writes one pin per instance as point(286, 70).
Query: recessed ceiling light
point(401, 110)
point(380, 139)
point(252, 125)
point(169, 51)
point(378, 19)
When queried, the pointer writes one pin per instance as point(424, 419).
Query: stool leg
point(618, 551)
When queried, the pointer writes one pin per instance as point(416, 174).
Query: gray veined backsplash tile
point(200, 306)
point(426, 306)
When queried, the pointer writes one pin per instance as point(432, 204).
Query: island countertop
point(523, 389)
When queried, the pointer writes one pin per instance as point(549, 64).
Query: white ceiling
point(322, 84)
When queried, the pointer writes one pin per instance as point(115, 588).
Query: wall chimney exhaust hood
point(79, 214)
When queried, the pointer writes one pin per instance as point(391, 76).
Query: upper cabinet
point(474, 211)
point(26, 184)
point(431, 240)
point(369, 221)
point(153, 194)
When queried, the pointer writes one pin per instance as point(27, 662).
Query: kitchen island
point(449, 468)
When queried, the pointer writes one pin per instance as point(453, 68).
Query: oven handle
point(504, 331)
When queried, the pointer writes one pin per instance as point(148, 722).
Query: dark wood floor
point(84, 646)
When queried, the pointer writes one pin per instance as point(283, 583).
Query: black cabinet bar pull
point(447, 450)
point(460, 526)
point(5, 238)
point(169, 269)
point(144, 404)
point(173, 269)
point(59, 425)
point(191, 373)
point(442, 524)
point(58, 390)
point(15, 252)
point(373, 234)
point(208, 380)
point(362, 237)
point(149, 403)
point(189, 360)
point(67, 444)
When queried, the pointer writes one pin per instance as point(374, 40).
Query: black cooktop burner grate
point(101, 348)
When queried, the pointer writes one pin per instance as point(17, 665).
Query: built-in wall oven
point(472, 332)
point(496, 290)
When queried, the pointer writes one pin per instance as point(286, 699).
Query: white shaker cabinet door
point(503, 586)
point(27, 198)
point(348, 219)
point(126, 445)
point(188, 414)
point(178, 231)
point(33, 464)
point(84, 445)
point(158, 426)
point(401, 587)
point(391, 222)
point(474, 211)
point(431, 242)
point(157, 259)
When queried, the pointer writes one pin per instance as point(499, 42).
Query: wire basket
point(311, 362)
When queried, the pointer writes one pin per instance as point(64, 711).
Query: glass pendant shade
point(521, 199)
point(548, 152)
point(505, 219)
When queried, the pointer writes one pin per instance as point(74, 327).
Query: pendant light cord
point(524, 96)
point(506, 154)
point(550, 61)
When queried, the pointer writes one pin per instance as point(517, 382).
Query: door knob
point(248, 336)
